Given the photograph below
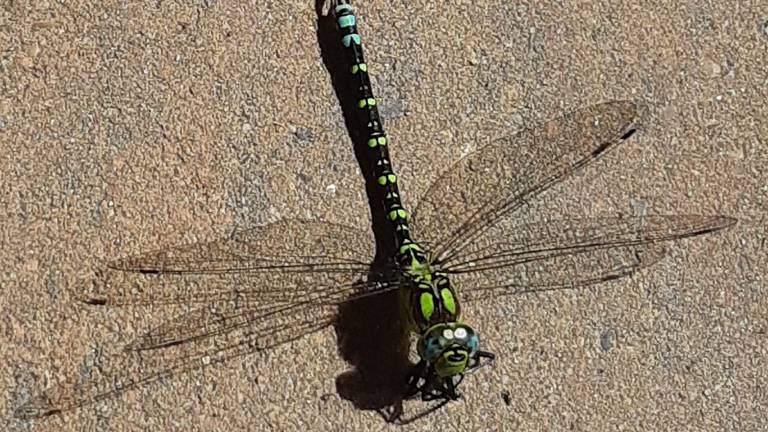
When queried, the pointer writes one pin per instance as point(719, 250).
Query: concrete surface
point(124, 127)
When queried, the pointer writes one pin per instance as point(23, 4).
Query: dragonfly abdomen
point(376, 139)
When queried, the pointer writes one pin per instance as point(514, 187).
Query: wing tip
point(127, 266)
point(132, 346)
point(698, 225)
point(95, 301)
point(145, 344)
point(629, 132)
point(626, 104)
point(34, 409)
point(721, 222)
point(623, 105)
point(628, 112)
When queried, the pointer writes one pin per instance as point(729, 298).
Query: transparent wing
point(501, 177)
point(219, 318)
point(288, 245)
point(141, 365)
point(569, 253)
point(115, 288)
point(274, 263)
point(260, 288)
point(225, 328)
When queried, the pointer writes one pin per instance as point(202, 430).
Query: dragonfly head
point(448, 351)
point(448, 347)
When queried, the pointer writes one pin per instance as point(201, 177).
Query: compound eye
point(473, 342)
point(432, 348)
point(468, 336)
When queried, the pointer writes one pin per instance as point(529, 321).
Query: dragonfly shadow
point(372, 336)
point(376, 345)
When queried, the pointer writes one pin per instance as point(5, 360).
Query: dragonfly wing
point(274, 263)
point(138, 367)
point(113, 288)
point(578, 268)
point(571, 253)
point(216, 319)
point(503, 176)
point(288, 245)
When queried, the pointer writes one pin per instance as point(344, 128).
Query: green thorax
point(428, 294)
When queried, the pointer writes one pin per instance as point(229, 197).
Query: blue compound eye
point(432, 344)
point(444, 336)
point(467, 337)
point(433, 348)
point(472, 343)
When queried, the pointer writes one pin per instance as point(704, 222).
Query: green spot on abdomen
point(397, 214)
point(380, 141)
point(427, 305)
point(448, 300)
point(359, 67)
point(366, 102)
point(406, 247)
point(389, 178)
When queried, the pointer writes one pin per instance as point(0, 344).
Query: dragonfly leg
point(437, 388)
point(417, 379)
point(424, 380)
point(477, 361)
point(392, 414)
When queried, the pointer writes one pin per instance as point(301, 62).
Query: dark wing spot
point(628, 134)
point(601, 149)
point(95, 301)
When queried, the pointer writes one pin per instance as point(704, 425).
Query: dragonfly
point(463, 243)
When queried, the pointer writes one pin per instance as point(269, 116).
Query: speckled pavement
point(124, 127)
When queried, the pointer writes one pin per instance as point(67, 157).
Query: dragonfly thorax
point(430, 298)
